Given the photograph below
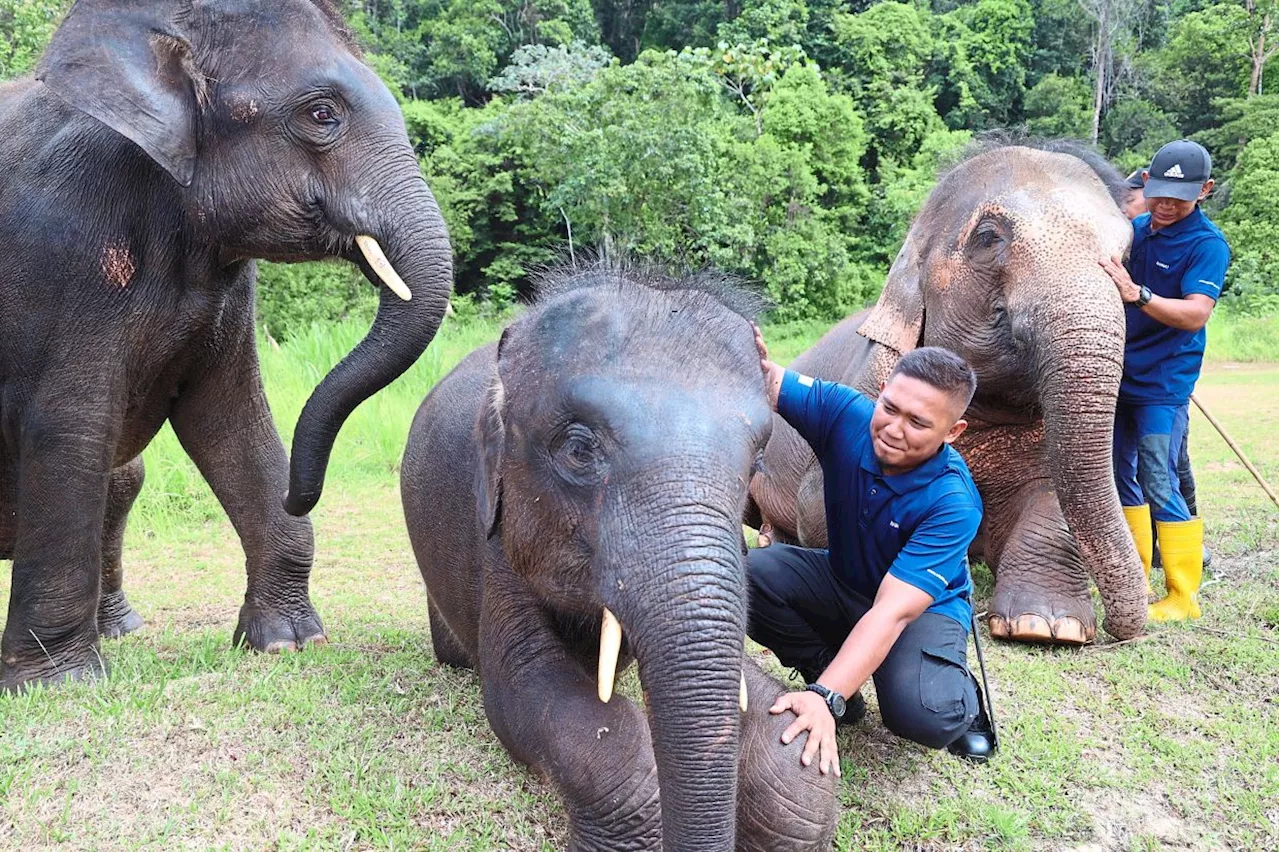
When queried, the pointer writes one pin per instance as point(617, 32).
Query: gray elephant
point(1001, 266)
point(160, 148)
point(580, 481)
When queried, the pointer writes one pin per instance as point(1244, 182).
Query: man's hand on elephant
point(812, 715)
point(772, 372)
point(1129, 291)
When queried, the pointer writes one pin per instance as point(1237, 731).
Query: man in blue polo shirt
point(889, 599)
point(1169, 286)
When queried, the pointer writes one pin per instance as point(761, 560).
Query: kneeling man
point(890, 599)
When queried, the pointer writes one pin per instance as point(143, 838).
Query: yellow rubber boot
point(1139, 520)
point(1182, 552)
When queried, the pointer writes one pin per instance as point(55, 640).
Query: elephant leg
point(116, 616)
point(52, 632)
point(1042, 589)
point(544, 708)
point(448, 650)
point(224, 424)
point(782, 805)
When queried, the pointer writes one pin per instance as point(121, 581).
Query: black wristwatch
point(835, 701)
point(1144, 296)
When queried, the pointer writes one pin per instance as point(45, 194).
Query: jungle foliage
point(788, 141)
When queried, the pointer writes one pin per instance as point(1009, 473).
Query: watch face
point(837, 705)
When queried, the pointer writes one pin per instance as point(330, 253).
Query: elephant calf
point(582, 481)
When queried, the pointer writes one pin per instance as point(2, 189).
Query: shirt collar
point(917, 477)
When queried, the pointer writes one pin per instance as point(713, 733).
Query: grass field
point(1167, 741)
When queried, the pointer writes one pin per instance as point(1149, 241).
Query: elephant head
point(617, 441)
point(281, 144)
point(1001, 266)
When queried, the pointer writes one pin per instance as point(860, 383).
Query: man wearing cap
point(1172, 281)
point(1134, 206)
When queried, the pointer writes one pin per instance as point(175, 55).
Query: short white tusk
point(610, 645)
point(373, 253)
point(742, 693)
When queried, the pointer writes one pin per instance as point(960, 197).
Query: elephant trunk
point(1080, 361)
point(411, 234)
point(682, 607)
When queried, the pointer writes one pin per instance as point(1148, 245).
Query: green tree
point(1206, 60)
point(1058, 107)
point(1251, 223)
point(985, 47)
point(1241, 120)
point(1136, 127)
point(25, 28)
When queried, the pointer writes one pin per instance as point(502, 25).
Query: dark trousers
point(803, 613)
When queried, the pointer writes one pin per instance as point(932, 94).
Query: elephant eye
point(579, 456)
point(323, 113)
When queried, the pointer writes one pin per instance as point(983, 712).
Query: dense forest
point(788, 141)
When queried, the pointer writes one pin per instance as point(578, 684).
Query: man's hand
point(1129, 291)
point(772, 372)
point(812, 715)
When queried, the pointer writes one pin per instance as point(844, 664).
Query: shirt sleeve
point(938, 547)
point(1208, 268)
point(813, 406)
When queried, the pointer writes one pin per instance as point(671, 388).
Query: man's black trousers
point(803, 613)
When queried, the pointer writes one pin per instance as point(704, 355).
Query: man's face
point(1134, 204)
point(1167, 211)
point(912, 420)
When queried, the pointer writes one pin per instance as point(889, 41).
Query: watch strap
point(1144, 296)
point(828, 696)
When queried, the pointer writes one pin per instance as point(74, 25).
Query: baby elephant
point(573, 495)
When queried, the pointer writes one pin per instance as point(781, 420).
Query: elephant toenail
point(1069, 630)
point(283, 645)
point(998, 627)
point(317, 641)
point(1032, 628)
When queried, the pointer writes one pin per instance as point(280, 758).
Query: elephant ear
point(897, 321)
point(128, 64)
point(493, 437)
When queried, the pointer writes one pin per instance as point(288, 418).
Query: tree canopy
point(789, 141)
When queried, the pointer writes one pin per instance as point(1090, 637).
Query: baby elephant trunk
point(682, 607)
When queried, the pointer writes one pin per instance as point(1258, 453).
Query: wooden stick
point(1239, 453)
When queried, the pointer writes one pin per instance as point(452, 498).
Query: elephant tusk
point(373, 253)
point(610, 645)
point(742, 693)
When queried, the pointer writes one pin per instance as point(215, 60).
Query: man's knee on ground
point(929, 728)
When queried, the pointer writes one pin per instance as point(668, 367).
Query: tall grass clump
point(370, 444)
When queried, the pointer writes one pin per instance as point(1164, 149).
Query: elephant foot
point(116, 616)
point(1023, 614)
point(273, 632)
point(1030, 627)
point(20, 676)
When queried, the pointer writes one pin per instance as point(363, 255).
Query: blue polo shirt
point(1161, 364)
point(916, 526)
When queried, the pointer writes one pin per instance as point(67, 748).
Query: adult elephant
point(160, 148)
point(584, 479)
point(1001, 266)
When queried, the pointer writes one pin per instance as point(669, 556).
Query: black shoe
point(979, 742)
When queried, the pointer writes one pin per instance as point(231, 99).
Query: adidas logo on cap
point(1175, 171)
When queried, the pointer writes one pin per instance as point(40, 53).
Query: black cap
point(1178, 170)
point(1134, 180)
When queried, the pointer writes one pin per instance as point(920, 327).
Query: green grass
point(1166, 741)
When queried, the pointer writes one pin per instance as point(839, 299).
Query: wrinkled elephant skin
point(596, 460)
point(159, 149)
point(1001, 266)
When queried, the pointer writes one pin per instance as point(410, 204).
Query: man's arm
point(811, 406)
point(1201, 286)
